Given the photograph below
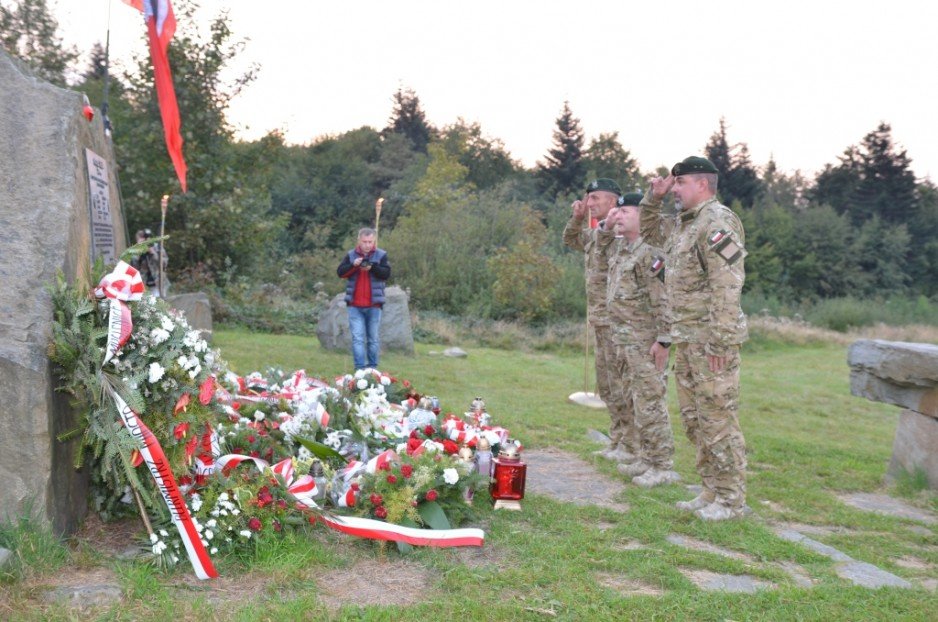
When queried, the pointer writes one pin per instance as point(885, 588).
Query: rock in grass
point(6, 559)
point(457, 353)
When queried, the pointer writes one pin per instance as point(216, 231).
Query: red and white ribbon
point(380, 530)
point(159, 467)
point(121, 285)
point(303, 488)
point(381, 461)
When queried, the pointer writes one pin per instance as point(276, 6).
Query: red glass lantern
point(508, 477)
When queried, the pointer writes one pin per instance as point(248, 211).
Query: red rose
point(407, 470)
point(252, 438)
point(429, 430)
point(413, 444)
point(376, 499)
point(431, 495)
point(255, 524)
point(392, 478)
point(381, 512)
point(236, 405)
point(449, 446)
point(414, 433)
point(255, 454)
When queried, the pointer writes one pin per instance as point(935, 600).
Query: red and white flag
point(161, 25)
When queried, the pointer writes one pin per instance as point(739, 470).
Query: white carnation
point(450, 476)
point(156, 372)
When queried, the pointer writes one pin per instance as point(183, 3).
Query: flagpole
point(159, 256)
point(107, 75)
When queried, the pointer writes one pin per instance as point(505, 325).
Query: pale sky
point(800, 80)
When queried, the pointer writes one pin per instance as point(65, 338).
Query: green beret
point(630, 198)
point(609, 185)
point(693, 164)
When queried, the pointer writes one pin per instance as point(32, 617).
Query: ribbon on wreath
point(122, 285)
point(162, 473)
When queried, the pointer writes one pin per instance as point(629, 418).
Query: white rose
point(450, 476)
point(156, 372)
point(362, 384)
point(385, 380)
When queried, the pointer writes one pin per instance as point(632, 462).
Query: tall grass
point(36, 550)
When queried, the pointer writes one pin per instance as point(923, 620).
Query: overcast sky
point(797, 80)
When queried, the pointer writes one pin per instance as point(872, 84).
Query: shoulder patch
point(657, 268)
point(722, 243)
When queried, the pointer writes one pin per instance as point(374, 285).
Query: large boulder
point(197, 308)
point(53, 205)
point(906, 375)
point(396, 331)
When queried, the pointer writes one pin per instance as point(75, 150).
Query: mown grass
point(808, 441)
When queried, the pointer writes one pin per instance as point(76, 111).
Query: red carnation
point(407, 470)
point(381, 512)
point(252, 438)
point(255, 524)
point(449, 446)
point(255, 454)
point(431, 495)
point(392, 478)
point(376, 499)
point(429, 430)
point(281, 504)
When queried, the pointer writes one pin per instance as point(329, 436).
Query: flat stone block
point(396, 330)
point(884, 504)
point(868, 575)
point(924, 400)
point(904, 364)
point(814, 545)
point(197, 308)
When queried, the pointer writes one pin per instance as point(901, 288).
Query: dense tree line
point(470, 230)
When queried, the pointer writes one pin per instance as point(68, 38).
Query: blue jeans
point(363, 323)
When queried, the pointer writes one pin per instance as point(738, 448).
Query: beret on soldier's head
point(693, 164)
point(630, 198)
point(603, 183)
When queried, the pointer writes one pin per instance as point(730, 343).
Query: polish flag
point(161, 25)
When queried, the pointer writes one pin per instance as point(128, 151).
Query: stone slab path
point(884, 504)
point(566, 477)
point(858, 573)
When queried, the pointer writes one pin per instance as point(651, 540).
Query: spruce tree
point(739, 179)
point(563, 168)
point(409, 119)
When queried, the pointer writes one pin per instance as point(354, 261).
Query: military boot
point(716, 511)
point(700, 501)
point(656, 477)
point(636, 468)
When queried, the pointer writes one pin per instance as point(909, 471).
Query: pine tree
point(739, 179)
point(563, 168)
point(29, 32)
point(409, 119)
point(606, 157)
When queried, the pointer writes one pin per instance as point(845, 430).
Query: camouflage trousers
point(621, 428)
point(643, 392)
point(709, 411)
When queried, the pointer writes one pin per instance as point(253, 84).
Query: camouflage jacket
point(636, 301)
point(705, 251)
point(596, 244)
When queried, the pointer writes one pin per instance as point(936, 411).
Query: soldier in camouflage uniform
point(596, 244)
point(636, 304)
point(705, 249)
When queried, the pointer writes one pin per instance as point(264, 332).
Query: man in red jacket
point(367, 269)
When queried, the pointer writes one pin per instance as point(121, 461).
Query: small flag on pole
point(161, 25)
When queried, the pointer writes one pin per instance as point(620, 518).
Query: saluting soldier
point(636, 305)
point(705, 251)
point(596, 243)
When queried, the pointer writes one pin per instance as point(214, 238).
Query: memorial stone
point(396, 329)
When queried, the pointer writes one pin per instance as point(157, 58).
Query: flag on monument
point(161, 25)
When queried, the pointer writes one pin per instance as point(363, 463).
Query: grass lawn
point(809, 440)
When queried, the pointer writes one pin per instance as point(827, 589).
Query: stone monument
point(904, 374)
point(396, 331)
point(59, 207)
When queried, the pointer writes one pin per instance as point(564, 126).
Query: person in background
point(367, 269)
point(152, 265)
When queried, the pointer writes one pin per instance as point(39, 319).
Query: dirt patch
point(74, 577)
point(913, 563)
point(628, 545)
point(111, 538)
point(627, 586)
point(481, 557)
point(226, 590)
point(374, 582)
point(778, 508)
point(604, 525)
